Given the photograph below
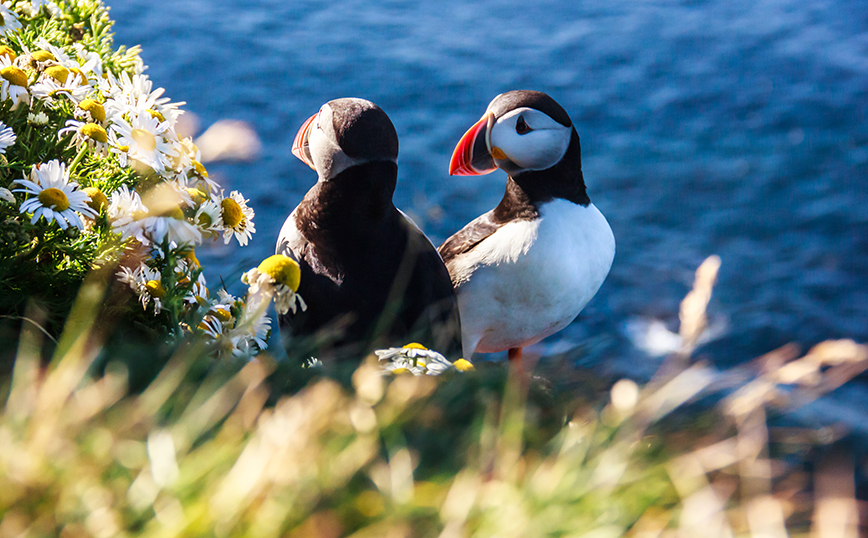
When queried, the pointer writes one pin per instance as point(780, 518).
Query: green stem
point(78, 158)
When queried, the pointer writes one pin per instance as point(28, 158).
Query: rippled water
point(732, 128)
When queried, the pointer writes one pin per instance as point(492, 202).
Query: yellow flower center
point(125, 149)
point(155, 289)
point(463, 366)
point(94, 132)
point(42, 56)
point(414, 345)
point(145, 139)
point(58, 73)
point(399, 371)
point(15, 76)
point(54, 198)
point(223, 315)
point(205, 220)
point(76, 71)
point(232, 213)
point(155, 114)
point(174, 212)
point(200, 168)
point(139, 215)
point(191, 257)
point(8, 52)
point(283, 269)
point(98, 200)
point(97, 111)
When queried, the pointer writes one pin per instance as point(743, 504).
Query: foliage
point(94, 177)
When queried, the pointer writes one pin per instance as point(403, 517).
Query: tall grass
point(237, 449)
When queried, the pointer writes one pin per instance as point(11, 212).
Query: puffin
point(525, 269)
point(369, 275)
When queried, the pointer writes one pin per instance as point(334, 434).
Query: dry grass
point(470, 455)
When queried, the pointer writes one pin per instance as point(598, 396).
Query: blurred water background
point(733, 128)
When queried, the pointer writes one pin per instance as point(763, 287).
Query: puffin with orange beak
point(525, 269)
point(369, 276)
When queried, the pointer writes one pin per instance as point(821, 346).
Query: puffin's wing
point(439, 326)
point(415, 227)
point(465, 239)
point(290, 241)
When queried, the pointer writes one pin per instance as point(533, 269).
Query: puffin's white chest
point(532, 278)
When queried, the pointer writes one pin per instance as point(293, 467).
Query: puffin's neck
point(563, 180)
point(355, 200)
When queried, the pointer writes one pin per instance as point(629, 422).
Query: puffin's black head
point(344, 133)
point(521, 130)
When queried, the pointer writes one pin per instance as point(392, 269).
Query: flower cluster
point(93, 173)
point(418, 360)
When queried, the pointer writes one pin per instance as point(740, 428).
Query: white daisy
point(418, 360)
point(402, 366)
point(146, 283)
point(237, 218)
point(14, 83)
point(150, 229)
point(125, 207)
point(58, 81)
point(92, 62)
point(91, 68)
point(209, 217)
point(184, 269)
point(165, 219)
point(7, 137)
point(90, 134)
point(131, 218)
point(251, 332)
point(40, 118)
point(134, 95)
point(312, 362)
point(211, 326)
point(278, 278)
point(144, 139)
point(35, 6)
point(55, 197)
point(10, 22)
point(242, 337)
point(90, 111)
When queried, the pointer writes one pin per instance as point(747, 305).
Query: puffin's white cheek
point(322, 152)
point(536, 150)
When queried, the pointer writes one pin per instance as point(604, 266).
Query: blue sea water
point(734, 128)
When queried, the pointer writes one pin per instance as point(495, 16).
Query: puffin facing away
point(369, 276)
point(525, 269)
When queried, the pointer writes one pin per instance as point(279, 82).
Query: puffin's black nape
point(363, 130)
point(508, 101)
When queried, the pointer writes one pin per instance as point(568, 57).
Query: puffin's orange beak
point(300, 144)
point(471, 156)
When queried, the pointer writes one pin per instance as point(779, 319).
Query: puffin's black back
point(369, 277)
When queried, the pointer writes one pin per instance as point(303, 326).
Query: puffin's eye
point(521, 127)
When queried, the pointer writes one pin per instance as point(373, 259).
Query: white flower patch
point(14, 83)
point(144, 139)
point(55, 197)
point(49, 90)
point(237, 218)
point(10, 23)
point(35, 6)
point(265, 287)
point(86, 134)
point(146, 283)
